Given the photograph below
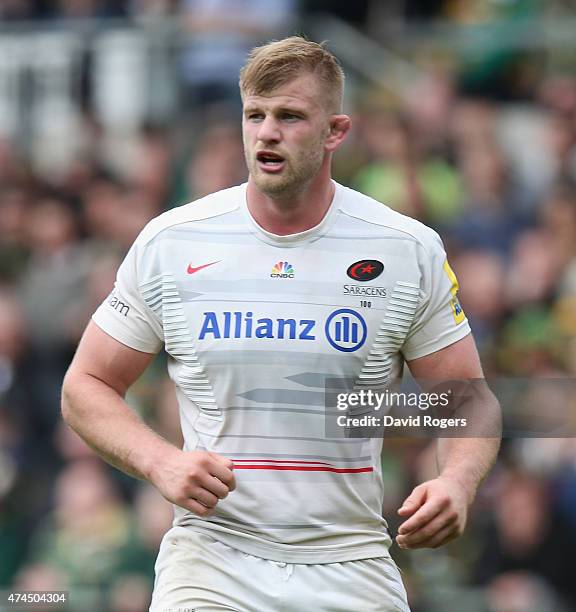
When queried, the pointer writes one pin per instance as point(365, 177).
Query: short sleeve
point(439, 320)
point(124, 314)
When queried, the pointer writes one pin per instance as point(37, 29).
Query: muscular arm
point(93, 405)
point(436, 510)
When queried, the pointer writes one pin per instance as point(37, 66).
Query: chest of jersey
point(262, 298)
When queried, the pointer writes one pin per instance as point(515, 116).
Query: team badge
point(365, 270)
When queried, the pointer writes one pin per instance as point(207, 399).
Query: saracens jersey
point(254, 324)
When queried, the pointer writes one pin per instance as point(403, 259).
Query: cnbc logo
point(282, 269)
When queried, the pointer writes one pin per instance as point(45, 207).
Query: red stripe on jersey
point(280, 461)
point(307, 468)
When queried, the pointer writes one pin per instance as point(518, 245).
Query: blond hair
point(279, 62)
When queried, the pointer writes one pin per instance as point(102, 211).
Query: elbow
point(66, 401)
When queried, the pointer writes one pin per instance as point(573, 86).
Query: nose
point(268, 130)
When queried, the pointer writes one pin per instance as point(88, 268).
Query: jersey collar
point(292, 240)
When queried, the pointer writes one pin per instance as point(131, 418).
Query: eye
point(254, 116)
point(290, 117)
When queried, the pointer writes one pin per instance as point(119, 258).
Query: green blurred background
point(464, 116)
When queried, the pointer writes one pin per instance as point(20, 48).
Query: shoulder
point(382, 220)
point(206, 208)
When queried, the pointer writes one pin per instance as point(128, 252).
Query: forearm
point(106, 423)
point(467, 461)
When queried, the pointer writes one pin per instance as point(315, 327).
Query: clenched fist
point(194, 480)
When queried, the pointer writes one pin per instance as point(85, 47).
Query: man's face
point(284, 133)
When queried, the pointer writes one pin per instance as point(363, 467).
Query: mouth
point(270, 162)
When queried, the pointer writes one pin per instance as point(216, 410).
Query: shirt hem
point(285, 553)
point(437, 345)
point(123, 338)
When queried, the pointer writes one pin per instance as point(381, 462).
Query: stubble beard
point(294, 178)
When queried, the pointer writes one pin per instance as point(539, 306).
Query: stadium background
point(112, 112)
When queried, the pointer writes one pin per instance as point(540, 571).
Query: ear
point(339, 127)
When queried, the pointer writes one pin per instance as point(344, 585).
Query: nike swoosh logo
point(192, 270)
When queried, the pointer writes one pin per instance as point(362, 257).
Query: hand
point(195, 480)
point(438, 511)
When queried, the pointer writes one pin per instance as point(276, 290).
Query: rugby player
point(255, 293)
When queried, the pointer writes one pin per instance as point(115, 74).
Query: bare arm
point(93, 405)
point(437, 510)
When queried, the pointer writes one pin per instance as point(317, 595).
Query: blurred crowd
point(498, 181)
point(495, 175)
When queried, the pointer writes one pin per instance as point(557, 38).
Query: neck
point(291, 213)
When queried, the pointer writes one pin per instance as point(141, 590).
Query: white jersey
point(253, 325)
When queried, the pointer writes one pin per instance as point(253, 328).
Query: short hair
point(280, 61)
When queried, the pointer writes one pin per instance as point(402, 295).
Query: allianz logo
point(244, 325)
point(344, 329)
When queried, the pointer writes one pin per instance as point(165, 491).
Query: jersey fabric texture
point(254, 324)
